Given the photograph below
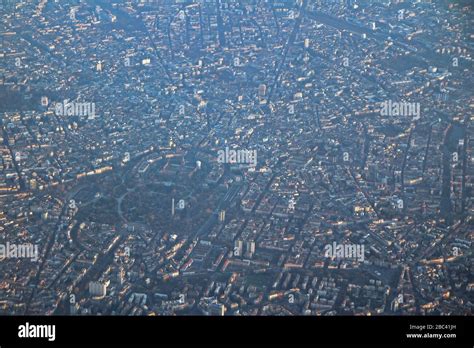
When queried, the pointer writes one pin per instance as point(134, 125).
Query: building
point(238, 248)
point(222, 216)
point(98, 289)
point(217, 309)
point(250, 248)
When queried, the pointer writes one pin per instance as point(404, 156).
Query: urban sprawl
point(237, 157)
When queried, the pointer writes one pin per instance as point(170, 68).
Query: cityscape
point(236, 157)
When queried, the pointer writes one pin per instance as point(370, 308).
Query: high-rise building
point(98, 289)
point(222, 216)
point(250, 248)
point(216, 309)
point(238, 248)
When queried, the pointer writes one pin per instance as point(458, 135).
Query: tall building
point(250, 248)
point(98, 289)
point(238, 248)
point(222, 216)
point(216, 309)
